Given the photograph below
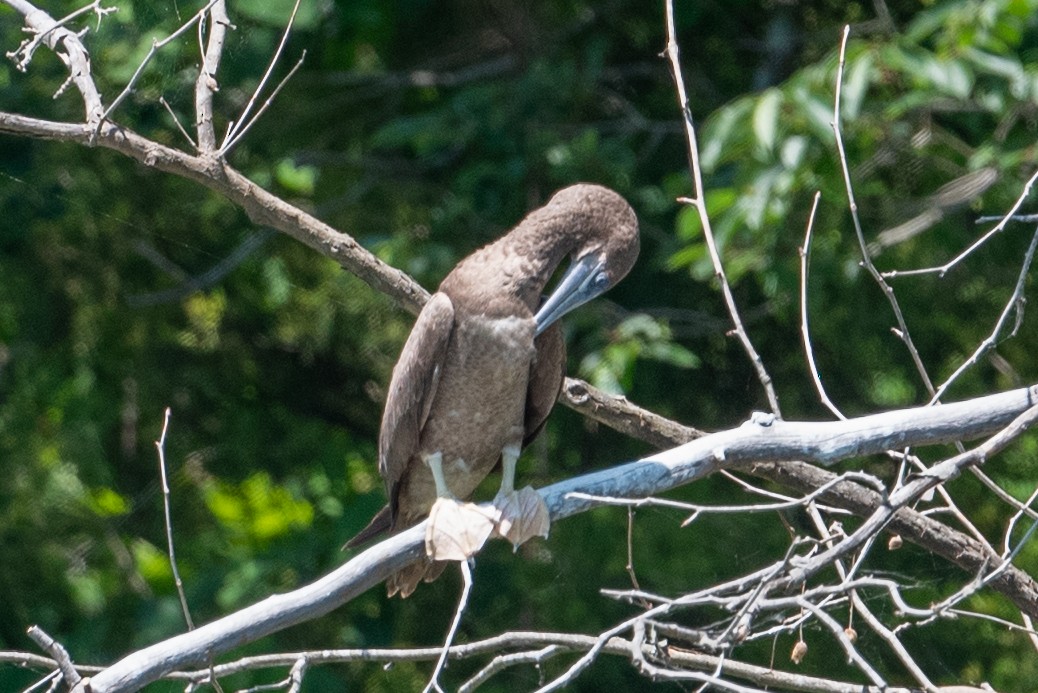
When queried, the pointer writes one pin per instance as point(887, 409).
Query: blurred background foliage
point(425, 129)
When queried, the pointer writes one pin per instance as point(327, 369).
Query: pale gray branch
point(207, 85)
point(547, 644)
point(761, 440)
point(67, 46)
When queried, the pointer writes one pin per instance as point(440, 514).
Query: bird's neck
point(516, 268)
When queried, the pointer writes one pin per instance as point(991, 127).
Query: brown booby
point(482, 369)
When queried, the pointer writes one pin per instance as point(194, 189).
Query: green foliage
point(424, 130)
point(636, 338)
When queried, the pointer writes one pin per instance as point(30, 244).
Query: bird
point(482, 369)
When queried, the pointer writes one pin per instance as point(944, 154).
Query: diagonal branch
point(902, 331)
point(263, 208)
point(757, 442)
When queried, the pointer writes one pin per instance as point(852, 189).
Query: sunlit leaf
point(766, 118)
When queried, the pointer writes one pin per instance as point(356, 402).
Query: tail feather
point(382, 523)
point(404, 581)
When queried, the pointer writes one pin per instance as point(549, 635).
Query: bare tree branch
point(58, 652)
point(156, 46)
point(621, 415)
point(207, 85)
point(262, 207)
point(534, 647)
point(67, 46)
point(160, 447)
point(1014, 306)
point(754, 442)
point(699, 202)
point(902, 330)
point(237, 130)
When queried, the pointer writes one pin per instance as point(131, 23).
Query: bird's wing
point(411, 391)
point(546, 375)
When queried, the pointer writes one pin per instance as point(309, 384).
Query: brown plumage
point(483, 366)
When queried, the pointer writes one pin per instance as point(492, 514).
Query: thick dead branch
point(952, 545)
point(761, 440)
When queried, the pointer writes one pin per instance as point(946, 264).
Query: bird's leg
point(435, 462)
point(509, 459)
point(456, 530)
point(523, 513)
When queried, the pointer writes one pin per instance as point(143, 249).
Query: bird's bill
point(574, 289)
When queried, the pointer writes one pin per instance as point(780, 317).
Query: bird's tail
point(404, 581)
point(380, 524)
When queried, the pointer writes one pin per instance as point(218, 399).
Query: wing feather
point(412, 390)
point(546, 375)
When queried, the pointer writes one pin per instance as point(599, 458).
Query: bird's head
point(607, 229)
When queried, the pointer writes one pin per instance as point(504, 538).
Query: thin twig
point(230, 144)
point(1006, 550)
point(866, 261)
point(236, 129)
point(291, 683)
point(1002, 494)
point(999, 227)
point(156, 46)
point(176, 121)
point(160, 445)
point(1015, 304)
point(463, 601)
point(740, 509)
point(56, 650)
point(845, 642)
point(951, 506)
point(630, 549)
point(699, 202)
point(51, 678)
point(805, 332)
point(502, 662)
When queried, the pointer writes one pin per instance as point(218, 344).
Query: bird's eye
point(601, 281)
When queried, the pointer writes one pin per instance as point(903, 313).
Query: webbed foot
point(456, 530)
point(522, 515)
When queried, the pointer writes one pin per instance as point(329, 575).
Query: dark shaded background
point(425, 130)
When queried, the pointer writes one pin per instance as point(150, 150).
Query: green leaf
point(275, 13)
point(107, 503)
point(298, 180)
point(856, 84)
point(766, 118)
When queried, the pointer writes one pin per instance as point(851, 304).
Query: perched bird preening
point(482, 369)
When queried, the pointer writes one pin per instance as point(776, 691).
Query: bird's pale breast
point(478, 408)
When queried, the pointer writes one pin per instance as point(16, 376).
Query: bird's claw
point(522, 515)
